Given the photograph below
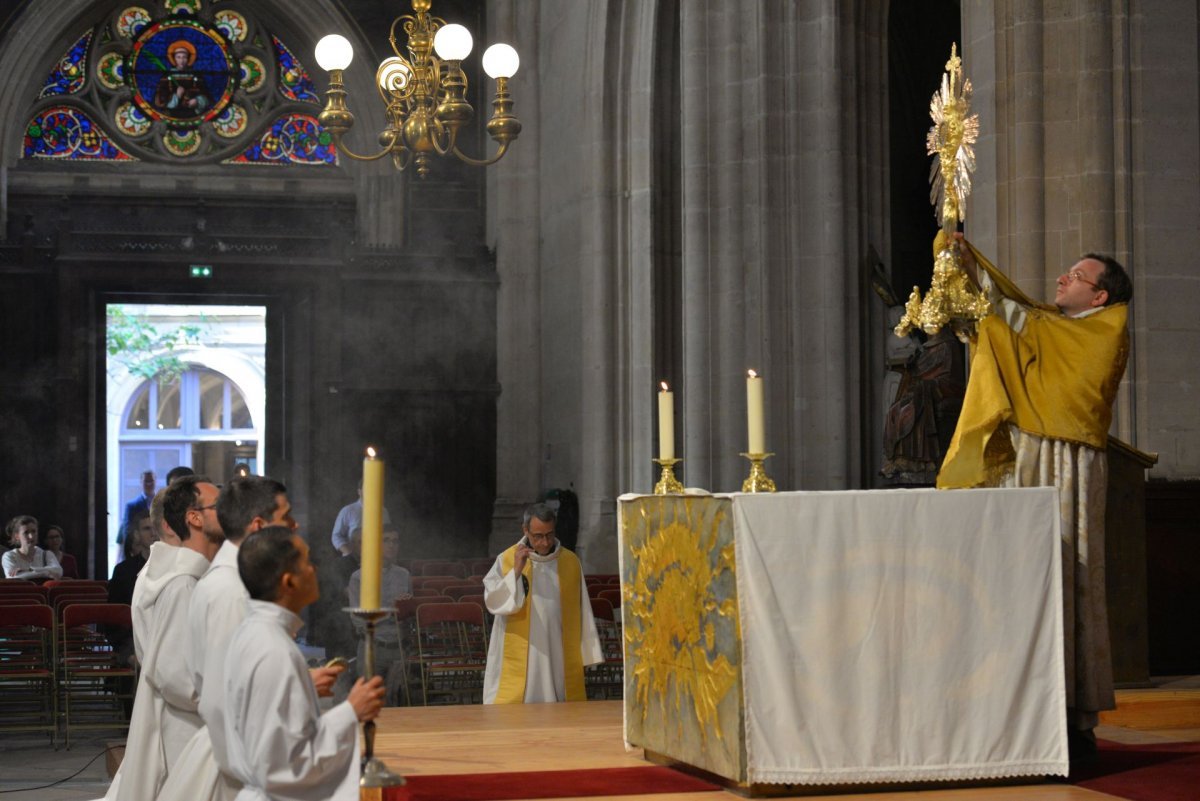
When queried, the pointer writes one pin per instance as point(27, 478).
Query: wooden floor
point(490, 739)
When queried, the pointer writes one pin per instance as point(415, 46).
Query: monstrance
point(951, 294)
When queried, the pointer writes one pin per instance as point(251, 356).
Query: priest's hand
point(521, 556)
point(967, 258)
point(323, 679)
point(367, 698)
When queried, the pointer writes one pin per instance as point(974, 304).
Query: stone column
point(1051, 91)
point(513, 201)
point(774, 231)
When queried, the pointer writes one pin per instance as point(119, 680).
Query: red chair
point(27, 687)
point(93, 685)
point(424, 593)
point(613, 596)
point(63, 596)
point(479, 567)
point(477, 598)
point(607, 679)
point(439, 583)
point(418, 581)
point(451, 652)
point(103, 583)
point(12, 599)
point(21, 587)
point(456, 591)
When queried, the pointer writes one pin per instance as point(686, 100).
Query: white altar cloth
point(901, 635)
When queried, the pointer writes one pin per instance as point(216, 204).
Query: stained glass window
point(295, 139)
point(69, 74)
point(64, 132)
point(175, 81)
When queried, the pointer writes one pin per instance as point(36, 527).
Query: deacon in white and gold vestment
point(544, 633)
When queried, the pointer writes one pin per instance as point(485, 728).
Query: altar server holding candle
point(217, 607)
point(282, 747)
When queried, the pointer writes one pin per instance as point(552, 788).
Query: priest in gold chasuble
point(1036, 413)
point(544, 633)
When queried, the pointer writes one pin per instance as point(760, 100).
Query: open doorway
point(185, 386)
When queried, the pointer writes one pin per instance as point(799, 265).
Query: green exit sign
point(202, 271)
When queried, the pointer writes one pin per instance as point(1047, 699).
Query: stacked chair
point(27, 688)
point(451, 652)
point(57, 662)
point(95, 688)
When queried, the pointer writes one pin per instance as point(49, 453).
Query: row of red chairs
point(459, 568)
point(52, 660)
point(56, 598)
point(443, 642)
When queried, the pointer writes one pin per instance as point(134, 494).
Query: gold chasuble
point(516, 631)
point(1057, 378)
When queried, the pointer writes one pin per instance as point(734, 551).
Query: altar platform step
point(1174, 703)
point(478, 739)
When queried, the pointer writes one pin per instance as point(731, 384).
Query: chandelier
point(425, 92)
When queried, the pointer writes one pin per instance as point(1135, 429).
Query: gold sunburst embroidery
point(673, 611)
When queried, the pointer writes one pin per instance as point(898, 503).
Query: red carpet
point(1146, 772)
point(547, 784)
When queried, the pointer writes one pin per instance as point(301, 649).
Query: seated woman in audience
point(55, 539)
point(28, 561)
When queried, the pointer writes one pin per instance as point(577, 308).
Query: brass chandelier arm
point(481, 162)
point(337, 142)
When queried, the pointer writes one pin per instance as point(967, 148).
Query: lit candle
point(666, 423)
point(372, 531)
point(754, 413)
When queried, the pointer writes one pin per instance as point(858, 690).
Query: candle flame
point(370, 452)
point(663, 384)
point(752, 374)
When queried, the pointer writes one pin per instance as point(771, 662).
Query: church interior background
point(699, 188)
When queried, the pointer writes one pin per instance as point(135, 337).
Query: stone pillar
point(774, 231)
point(1055, 154)
point(513, 203)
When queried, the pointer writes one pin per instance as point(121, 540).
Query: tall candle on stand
point(372, 530)
point(754, 413)
point(666, 423)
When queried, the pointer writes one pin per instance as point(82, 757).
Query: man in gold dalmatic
point(1036, 414)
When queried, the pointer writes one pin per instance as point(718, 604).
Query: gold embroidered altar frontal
point(683, 675)
point(842, 638)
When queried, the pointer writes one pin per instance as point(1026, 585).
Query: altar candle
point(666, 423)
point(754, 413)
point(372, 531)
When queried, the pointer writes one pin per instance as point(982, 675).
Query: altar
point(832, 638)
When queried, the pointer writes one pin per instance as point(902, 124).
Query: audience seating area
point(444, 644)
point(59, 668)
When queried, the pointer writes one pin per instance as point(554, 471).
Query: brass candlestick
point(375, 773)
point(667, 483)
point(758, 480)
